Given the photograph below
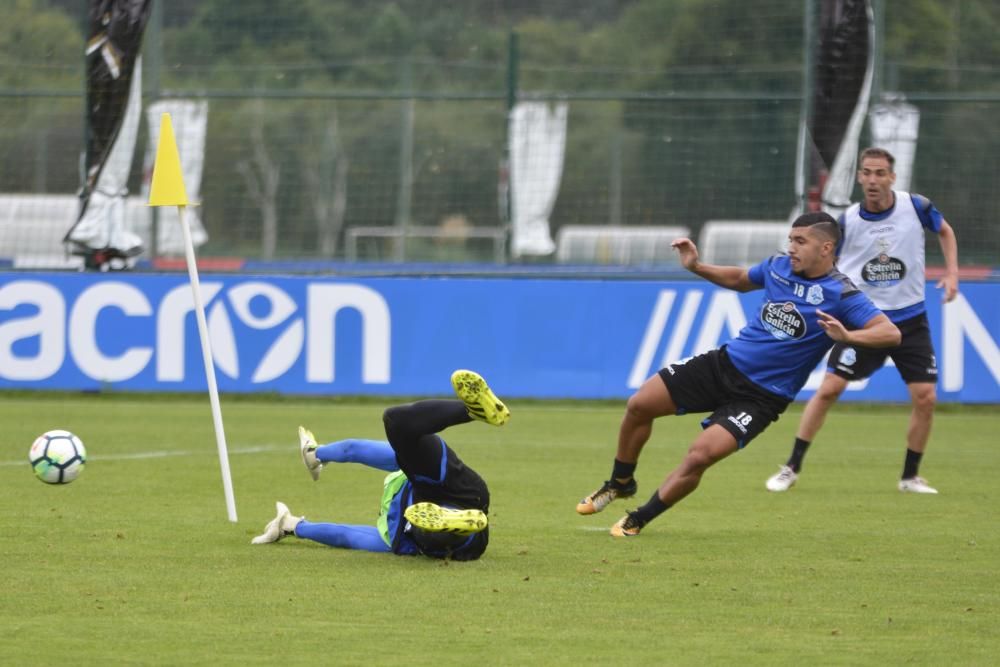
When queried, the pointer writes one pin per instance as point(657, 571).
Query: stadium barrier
point(539, 338)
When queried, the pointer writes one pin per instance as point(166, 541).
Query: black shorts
point(914, 356)
point(710, 383)
point(439, 476)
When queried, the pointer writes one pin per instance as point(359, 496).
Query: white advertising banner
point(537, 149)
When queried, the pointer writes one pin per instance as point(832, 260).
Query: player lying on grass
point(432, 503)
point(747, 383)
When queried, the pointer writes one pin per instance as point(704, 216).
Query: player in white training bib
point(882, 252)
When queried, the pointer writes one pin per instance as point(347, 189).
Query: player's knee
point(924, 399)
point(697, 460)
point(829, 392)
point(636, 409)
point(394, 422)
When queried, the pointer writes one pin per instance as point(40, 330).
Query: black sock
point(622, 470)
point(798, 453)
point(912, 464)
point(653, 508)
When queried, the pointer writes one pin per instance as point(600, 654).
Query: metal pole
point(86, 108)
point(808, 85)
point(513, 68)
point(615, 189)
point(405, 195)
point(878, 76)
point(153, 64)
point(41, 159)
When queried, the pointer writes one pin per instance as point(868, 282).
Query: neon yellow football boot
point(480, 402)
point(436, 519)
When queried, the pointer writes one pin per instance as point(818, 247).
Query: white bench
point(619, 245)
point(35, 223)
point(741, 242)
point(32, 227)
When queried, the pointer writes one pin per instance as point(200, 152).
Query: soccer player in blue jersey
point(882, 251)
point(748, 382)
point(432, 503)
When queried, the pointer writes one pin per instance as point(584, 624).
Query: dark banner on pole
point(114, 39)
point(842, 86)
point(113, 44)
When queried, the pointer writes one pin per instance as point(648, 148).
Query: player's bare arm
point(879, 331)
point(730, 277)
point(949, 249)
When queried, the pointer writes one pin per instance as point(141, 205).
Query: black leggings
point(412, 433)
point(434, 469)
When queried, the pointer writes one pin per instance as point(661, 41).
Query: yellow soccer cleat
point(480, 402)
point(436, 519)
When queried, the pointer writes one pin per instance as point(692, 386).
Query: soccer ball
point(57, 457)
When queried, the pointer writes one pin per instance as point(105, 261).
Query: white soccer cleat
point(280, 526)
point(307, 445)
point(782, 480)
point(916, 485)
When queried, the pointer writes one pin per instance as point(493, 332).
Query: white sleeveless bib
point(885, 258)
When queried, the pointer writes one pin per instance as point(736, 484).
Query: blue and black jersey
point(783, 343)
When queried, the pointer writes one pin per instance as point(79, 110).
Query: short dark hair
point(822, 222)
point(874, 152)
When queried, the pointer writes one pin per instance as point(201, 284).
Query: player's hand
point(688, 252)
point(832, 326)
point(950, 286)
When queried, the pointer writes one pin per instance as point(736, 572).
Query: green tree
point(39, 47)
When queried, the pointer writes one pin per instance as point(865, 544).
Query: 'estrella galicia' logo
point(783, 320)
point(883, 271)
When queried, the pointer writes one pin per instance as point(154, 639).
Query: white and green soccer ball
point(57, 457)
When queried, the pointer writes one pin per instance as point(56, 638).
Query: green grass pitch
point(136, 563)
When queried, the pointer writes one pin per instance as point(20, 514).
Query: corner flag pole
point(167, 189)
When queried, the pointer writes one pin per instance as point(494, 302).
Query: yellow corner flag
point(167, 188)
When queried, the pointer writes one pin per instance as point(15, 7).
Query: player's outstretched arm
point(731, 277)
point(949, 250)
point(879, 331)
